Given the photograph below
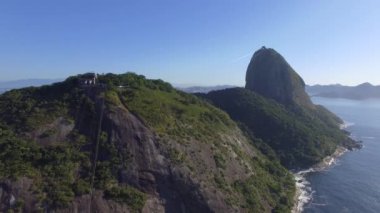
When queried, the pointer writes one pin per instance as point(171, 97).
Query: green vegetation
point(175, 156)
point(51, 168)
point(26, 109)
point(300, 136)
point(187, 119)
point(196, 146)
point(271, 182)
point(48, 133)
point(220, 161)
point(59, 171)
point(188, 129)
point(167, 110)
point(16, 155)
point(126, 194)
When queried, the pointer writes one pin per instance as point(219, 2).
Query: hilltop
point(124, 143)
point(270, 75)
point(275, 108)
point(129, 144)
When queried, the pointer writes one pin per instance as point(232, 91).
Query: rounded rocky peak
point(270, 75)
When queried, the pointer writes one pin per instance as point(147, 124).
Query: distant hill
point(203, 89)
point(7, 85)
point(360, 92)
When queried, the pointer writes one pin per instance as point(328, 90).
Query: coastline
point(303, 189)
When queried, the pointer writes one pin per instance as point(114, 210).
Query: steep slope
point(300, 139)
point(130, 144)
point(275, 108)
point(271, 76)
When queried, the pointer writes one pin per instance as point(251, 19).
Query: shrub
point(126, 194)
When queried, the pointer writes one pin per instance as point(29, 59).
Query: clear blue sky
point(203, 42)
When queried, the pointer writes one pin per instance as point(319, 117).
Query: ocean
point(352, 183)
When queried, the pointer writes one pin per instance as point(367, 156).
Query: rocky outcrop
point(145, 147)
point(148, 168)
point(270, 75)
point(275, 108)
point(16, 194)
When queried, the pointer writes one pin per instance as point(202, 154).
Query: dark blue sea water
point(353, 184)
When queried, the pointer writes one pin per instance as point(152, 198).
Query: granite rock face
point(145, 147)
point(269, 75)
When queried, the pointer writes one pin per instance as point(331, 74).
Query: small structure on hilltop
point(88, 79)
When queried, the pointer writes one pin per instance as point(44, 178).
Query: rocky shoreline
point(303, 190)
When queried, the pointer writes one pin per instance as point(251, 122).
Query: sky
point(194, 42)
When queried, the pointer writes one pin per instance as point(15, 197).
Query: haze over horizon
point(190, 43)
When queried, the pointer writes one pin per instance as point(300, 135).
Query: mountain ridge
point(124, 143)
point(275, 108)
point(155, 149)
point(360, 92)
point(203, 89)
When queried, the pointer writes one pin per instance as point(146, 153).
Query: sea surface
point(352, 184)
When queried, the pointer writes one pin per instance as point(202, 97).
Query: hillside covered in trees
point(129, 144)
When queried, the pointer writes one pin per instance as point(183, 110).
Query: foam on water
point(368, 137)
point(346, 124)
point(354, 185)
point(304, 190)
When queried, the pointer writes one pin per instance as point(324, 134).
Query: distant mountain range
point(7, 85)
point(204, 89)
point(360, 92)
